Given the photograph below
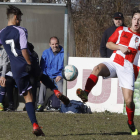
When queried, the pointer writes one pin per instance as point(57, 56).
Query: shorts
point(125, 74)
point(23, 84)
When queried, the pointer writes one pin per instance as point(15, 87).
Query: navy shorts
point(23, 84)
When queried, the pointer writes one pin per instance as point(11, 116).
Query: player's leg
point(10, 84)
point(50, 84)
point(24, 87)
point(130, 108)
point(45, 79)
point(34, 84)
point(99, 70)
point(31, 112)
point(2, 95)
point(126, 82)
point(29, 106)
point(60, 85)
point(41, 98)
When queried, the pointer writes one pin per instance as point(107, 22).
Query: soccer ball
point(70, 73)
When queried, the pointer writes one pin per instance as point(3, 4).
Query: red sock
point(91, 82)
point(130, 114)
point(56, 91)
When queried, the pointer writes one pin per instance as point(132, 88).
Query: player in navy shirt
point(14, 40)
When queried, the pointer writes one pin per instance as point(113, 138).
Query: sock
point(130, 114)
point(2, 94)
point(91, 82)
point(31, 112)
point(56, 91)
point(1, 98)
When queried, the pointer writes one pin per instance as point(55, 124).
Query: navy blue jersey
point(14, 39)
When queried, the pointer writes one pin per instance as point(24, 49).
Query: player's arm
point(111, 44)
point(26, 56)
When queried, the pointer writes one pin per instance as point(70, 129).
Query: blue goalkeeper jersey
point(14, 39)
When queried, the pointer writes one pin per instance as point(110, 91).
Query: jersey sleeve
point(23, 40)
point(22, 37)
point(114, 37)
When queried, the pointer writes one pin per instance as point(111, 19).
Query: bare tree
point(91, 18)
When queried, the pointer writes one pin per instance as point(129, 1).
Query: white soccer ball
point(70, 73)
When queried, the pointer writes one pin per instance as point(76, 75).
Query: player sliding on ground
point(124, 63)
point(14, 40)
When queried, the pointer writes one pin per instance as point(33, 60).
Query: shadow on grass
point(106, 134)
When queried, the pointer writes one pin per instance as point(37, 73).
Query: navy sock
point(1, 98)
point(2, 94)
point(31, 112)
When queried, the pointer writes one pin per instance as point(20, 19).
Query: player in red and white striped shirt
point(124, 63)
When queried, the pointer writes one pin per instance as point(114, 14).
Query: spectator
point(3, 68)
point(52, 64)
point(118, 20)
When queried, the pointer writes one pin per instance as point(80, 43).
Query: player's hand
point(28, 68)
point(124, 50)
point(2, 81)
point(58, 78)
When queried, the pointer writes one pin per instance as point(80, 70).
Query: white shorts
point(125, 74)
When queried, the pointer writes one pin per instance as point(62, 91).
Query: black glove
point(28, 68)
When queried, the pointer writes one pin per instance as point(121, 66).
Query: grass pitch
point(57, 126)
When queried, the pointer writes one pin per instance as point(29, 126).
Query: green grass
point(57, 126)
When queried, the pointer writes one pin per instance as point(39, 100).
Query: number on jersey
point(12, 44)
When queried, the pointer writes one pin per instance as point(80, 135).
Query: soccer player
point(124, 63)
point(14, 40)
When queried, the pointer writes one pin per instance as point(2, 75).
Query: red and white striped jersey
point(125, 37)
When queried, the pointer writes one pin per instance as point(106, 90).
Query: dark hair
point(13, 10)
point(134, 12)
point(55, 38)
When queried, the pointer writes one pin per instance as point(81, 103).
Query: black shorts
point(23, 84)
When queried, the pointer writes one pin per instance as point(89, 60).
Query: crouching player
point(14, 40)
point(124, 63)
